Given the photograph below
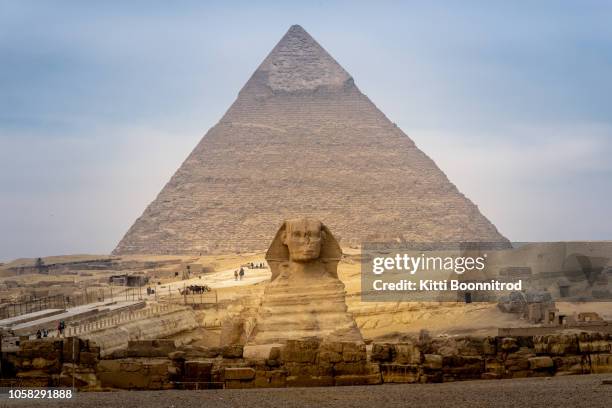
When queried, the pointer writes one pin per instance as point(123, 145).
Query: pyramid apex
point(299, 63)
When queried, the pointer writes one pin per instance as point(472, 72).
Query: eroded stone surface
point(305, 299)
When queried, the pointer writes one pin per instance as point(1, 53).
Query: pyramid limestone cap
point(299, 63)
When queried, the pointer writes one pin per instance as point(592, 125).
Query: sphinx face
point(303, 239)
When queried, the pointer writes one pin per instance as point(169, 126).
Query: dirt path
point(569, 391)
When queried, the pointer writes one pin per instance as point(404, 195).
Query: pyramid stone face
point(302, 140)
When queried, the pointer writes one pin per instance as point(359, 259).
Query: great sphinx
point(304, 299)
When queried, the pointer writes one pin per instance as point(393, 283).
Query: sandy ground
point(377, 320)
point(571, 391)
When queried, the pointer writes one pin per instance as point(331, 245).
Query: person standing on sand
point(241, 272)
point(236, 274)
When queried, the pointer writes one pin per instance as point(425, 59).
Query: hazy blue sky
point(100, 102)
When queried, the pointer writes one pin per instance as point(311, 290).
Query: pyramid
point(302, 140)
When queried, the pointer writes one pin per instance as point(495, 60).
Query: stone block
point(239, 373)
point(350, 368)
point(594, 343)
point(601, 363)
point(270, 379)
point(297, 351)
point(177, 355)
point(307, 369)
point(108, 365)
point(381, 352)
point(556, 344)
point(72, 346)
point(157, 368)
point(84, 377)
point(489, 346)
point(508, 344)
point(203, 352)
point(541, 363)
point(333, 346)
point(445, 346)
point(354, 355)
point(124, 380)
point(400, 373)
point(462, 367)
point(39, 363)
point(495, 366)
point(469, 346)
point(351, 347)
point(34, 378)
point(273, 363)
point(518, 361)
point(568, 365)
point(406, 353)
point(331, 356)
point(88, 359)
point(232, 351)
point(362, 379)
point(198, 370)
point(432, 361)
point(431, 377)
point(261, 352)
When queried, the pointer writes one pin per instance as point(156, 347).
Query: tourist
point(236, 274)
point(45, 332)
point(241, 272)
point(38, 334)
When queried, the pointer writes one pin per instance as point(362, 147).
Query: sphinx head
point(303, 238)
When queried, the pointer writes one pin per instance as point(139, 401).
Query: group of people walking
point(61, 326)
point(239, 273)
point(257, 265)
point(42, 333)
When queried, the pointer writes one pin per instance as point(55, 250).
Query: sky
point(100, 102)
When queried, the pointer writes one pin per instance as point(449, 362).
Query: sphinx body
point(304, 299)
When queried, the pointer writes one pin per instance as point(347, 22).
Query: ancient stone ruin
point(160, 364)
point(305, 299)
point(302, 139)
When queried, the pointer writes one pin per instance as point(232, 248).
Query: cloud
point(535, 182)
point(101, 102)
point(79, 195)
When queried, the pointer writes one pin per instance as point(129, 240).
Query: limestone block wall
point(152, 365)
point(312, 363)
point(52, 362)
